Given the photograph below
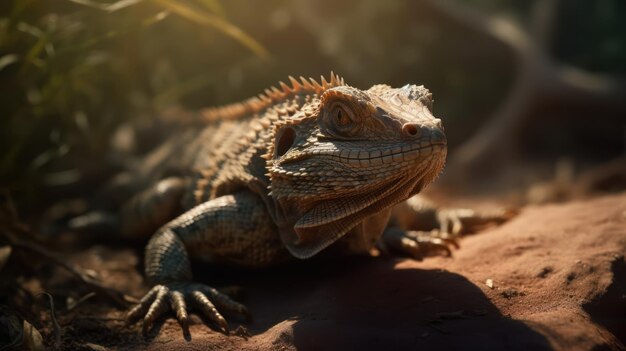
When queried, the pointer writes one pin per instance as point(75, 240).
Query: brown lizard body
point(284, 174)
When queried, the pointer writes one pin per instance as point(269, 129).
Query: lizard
point(299, 169)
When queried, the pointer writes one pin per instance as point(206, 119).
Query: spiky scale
point(285, 88)
point(295, 84)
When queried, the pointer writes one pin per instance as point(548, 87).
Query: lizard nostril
point(411, 129)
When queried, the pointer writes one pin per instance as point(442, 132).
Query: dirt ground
point(554, 277)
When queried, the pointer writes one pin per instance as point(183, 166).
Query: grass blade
point(211, 20)
point(107, 7)
point(213, 6)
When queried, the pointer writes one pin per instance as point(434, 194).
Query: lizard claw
point(419, 244)
point(452, 223)
point(174, 296)
point(460, 220)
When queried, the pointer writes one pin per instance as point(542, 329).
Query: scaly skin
point(282, 175)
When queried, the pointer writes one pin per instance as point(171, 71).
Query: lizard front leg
point(230, 229)
point(419, 228)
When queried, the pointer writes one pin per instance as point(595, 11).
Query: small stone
point(545, 271)
point(571, 276)
point(511, 293)
point(489, 283)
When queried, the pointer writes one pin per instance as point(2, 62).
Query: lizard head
point(348, 155)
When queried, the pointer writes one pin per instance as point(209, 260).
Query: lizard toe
point(175, 296)
point(419, 244)
point(224, 302)
point(178, 305)
point(158, 307)
point(458, 221)
point(142, 307)
point(450, 221)
point(208, 309)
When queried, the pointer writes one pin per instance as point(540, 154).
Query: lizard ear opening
point(285, 140)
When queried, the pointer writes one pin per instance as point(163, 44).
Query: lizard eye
point(341, 117)
point(341, 120)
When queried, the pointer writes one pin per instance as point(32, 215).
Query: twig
point(53, 317)
point(116, 296)
point(12, 229)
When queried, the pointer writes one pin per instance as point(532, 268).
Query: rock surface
point(552, 278)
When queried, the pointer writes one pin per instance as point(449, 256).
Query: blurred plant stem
point(208, 19)
point(71, 72)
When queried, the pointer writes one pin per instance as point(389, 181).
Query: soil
point(554, 278)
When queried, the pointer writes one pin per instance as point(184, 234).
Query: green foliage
point(597, 43)
point(72, 71)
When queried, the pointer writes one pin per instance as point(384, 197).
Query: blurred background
point(520, 85)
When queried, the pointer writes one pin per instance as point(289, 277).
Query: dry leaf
point(32, 340)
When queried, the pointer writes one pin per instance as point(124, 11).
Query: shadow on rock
point(609, 309)
point(372, 304)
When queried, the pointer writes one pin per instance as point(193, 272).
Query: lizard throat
point(327, 221)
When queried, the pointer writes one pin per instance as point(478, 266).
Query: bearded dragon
point(285, 175)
